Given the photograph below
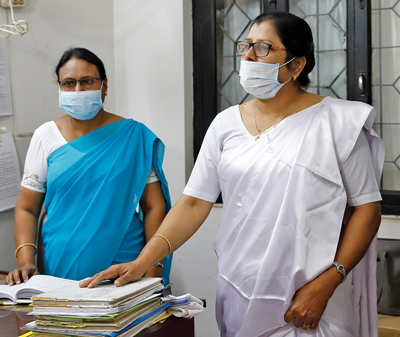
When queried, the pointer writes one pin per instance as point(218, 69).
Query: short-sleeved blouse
point(45, 140)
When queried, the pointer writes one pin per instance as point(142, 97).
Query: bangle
point(158, 264)
point(169, 244)
point(23, 245)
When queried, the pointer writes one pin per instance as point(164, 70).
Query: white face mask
point(261, 79)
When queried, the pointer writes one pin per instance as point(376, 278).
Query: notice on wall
point(10, 177)
point(5, 87)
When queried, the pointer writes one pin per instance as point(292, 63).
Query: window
point(357, 58)
point(385, 43)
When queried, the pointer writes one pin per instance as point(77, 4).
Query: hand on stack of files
point(105, 310)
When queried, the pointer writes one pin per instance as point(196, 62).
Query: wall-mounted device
point(15, 3)
point(19, 27)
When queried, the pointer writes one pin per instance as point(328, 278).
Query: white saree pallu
point(284, 203)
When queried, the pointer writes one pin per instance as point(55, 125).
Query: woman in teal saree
point(100, 178)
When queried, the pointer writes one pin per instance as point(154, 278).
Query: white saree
point(284, 198)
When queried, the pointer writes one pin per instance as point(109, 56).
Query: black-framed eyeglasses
point(69, 84)
point(261, 49)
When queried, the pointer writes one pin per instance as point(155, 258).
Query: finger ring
point(307, 326)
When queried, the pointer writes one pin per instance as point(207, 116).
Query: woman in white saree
point(299, 176)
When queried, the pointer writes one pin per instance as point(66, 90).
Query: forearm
point(179, 225)
point(25, 232)
point(354, 242)
point(358, 235)
point(182, 221)
point(310, 301)
point(152, 221)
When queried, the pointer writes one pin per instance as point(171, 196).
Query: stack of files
point(105, 310)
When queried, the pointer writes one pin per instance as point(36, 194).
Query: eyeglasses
point(261, 49)
point(87, 82)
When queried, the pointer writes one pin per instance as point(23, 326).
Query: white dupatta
point(282, 217)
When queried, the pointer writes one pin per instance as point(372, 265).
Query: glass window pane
point(386, 84)
point(233, 23)
point(327, 19)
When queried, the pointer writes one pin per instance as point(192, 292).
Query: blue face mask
point(82, 105)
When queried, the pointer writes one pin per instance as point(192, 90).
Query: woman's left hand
point(311, 300)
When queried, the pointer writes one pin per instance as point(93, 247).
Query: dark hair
point(296, 36)
point(84, 54)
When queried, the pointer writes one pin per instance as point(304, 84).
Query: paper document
point(98, 323)
point(90, 311)
point(5, 88)
point(36, 285)
point(103, 295)
point(10, 176)
point(131, 330)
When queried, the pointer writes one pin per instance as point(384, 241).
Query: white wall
point(151, 86)
point(55, 25)
point(153, 67)
point(149, 44)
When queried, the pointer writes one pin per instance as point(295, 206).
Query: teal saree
point(94, 185)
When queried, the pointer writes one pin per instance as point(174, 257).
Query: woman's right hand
point(23, 273)
point(121, 274)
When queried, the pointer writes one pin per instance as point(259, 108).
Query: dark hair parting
point(296, 36)
point(84, 54)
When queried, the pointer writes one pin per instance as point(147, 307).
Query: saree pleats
point(94, 186)
point(284, 203)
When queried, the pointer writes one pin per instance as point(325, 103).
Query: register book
point(21, 293)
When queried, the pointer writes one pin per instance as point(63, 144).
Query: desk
point(389, 326)
point(13, 318)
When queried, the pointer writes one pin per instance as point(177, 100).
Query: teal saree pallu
point(94, 185)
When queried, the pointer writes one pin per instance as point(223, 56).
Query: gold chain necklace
point(275, 125)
